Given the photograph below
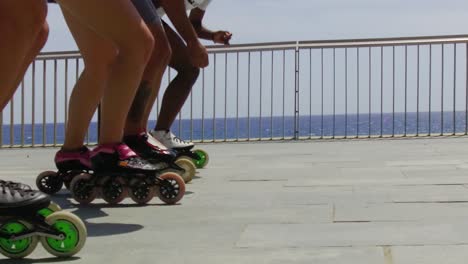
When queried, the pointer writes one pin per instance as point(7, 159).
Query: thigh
point(92, 46)
point(116, 20)
point(23, 12)
point(180, 57)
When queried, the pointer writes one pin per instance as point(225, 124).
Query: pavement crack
point(388, 255)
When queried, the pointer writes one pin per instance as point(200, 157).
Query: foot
point(79, 159)
point(119, 157)
point(168, 139)
point(14, 195)
point(149, 148)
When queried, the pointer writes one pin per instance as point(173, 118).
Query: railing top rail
point(58, 55)
point(340, 43)
point(423, 40)
point(253, 47)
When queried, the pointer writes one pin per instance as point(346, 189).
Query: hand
point(198, 54)
point(222, 37)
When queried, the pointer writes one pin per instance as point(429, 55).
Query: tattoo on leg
point(140, 101)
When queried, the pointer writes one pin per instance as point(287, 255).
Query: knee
point(37, 14)
point(190, 73)
point(146, 45)
point(100, 61)
point(138, 48)
point(36, 17)
point(28, 25)
point(162, 52)
point(42, 36)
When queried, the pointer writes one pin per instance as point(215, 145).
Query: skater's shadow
point(94, 211)
point(42, 260)
point(103, 229)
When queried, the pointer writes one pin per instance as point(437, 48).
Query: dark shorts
point(145, 8)
point(147, 11)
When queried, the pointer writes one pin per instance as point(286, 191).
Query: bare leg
point(23, 32)
point(148, 91)
point(180, 87)
point(118, 21)
point(98, 55)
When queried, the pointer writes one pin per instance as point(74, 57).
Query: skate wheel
point(67, 182)
point(189, 168)
point(171, 189)
point(18, 248)
point(49, 182)
point(73, 230)
point(141, 192)
point(114, 190)
point(203, 160)
point(67, 185)
point(54, 207)
point(82, 188)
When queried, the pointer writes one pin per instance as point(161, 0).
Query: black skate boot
point(27, 216)
point(148, 148)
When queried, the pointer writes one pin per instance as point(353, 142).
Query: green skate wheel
point(203, 160)
point(189, 168)
point(74, 232)
point(19, 248)
point(53, 207)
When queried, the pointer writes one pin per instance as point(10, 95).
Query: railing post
point(1, 128)
point(296, 91)
point(466, 89)
point(98, 122)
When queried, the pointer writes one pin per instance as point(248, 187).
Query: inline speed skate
point(183, 149)
point(28, 216)
point(69, 164)
point(153, 151)
point(119, 172)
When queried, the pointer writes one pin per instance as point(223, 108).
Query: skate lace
point(178, 140)
point(14, 187)
point(139, 162)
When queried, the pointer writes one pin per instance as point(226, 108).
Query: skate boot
point(182, 148)
point(69, 164)
point(150, 149)
point(119, 173)
point(27, 217)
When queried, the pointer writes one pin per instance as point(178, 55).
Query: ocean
point(350, 125)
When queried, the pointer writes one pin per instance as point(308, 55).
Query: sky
point(254, 21)
point(272, 20)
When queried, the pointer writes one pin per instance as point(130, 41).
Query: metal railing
point(287, 90)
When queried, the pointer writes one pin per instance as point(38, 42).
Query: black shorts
point(147, 11)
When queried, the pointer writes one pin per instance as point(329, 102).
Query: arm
point(175, 10)
point(220, 37)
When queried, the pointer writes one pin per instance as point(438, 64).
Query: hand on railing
point(222, 37)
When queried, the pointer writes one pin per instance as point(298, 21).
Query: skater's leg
point(180, 87)
point(23, 31)
point(124, 27)
point(148, 90)
point(98, 55)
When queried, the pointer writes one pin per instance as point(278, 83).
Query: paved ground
point(364, 201)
